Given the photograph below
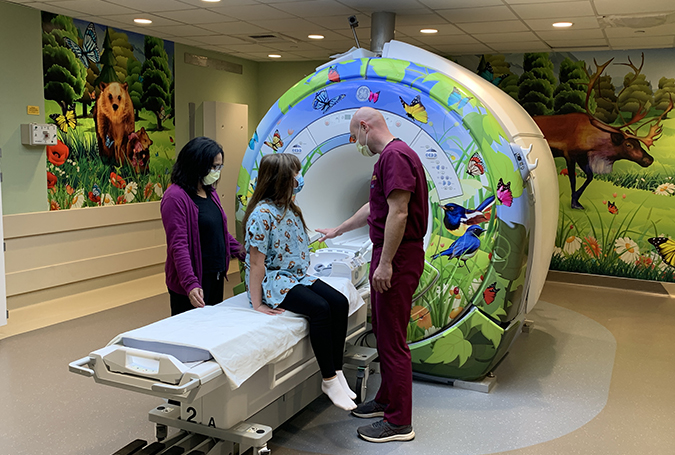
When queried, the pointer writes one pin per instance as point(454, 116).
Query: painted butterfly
point(323, 103)
point(374, 96)
point(490, 293)
point(109, 142)
point(613, 209)
point(476, 166)
point(67, 120)
point(253, 141)
point(276, 143)
point(243, 198)
point(415, 110)
point(333, 75)
point(456, 97)
point(489, 75)
point(89, 49)
point(666, 249)
point(504, 193)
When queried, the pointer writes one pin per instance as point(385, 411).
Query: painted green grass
point(86, 180)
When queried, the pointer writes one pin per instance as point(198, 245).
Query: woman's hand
point(196, 297)
point(267, 310)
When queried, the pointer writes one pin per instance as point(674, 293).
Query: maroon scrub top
point(398, 168)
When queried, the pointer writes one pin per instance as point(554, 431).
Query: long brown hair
point(275, 182)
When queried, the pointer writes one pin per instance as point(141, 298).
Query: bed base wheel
point(264, 451)
point(361, 384)
point(161, 432)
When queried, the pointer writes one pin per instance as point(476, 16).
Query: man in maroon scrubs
point(397, 213)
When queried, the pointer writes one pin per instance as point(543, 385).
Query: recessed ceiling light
point(562, 24)
point(211, 1)
point(315, 36)
point(429, 30)
point(274, 56)
point(143, 21)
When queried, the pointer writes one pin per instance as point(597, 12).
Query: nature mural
point(608, 119)
point(111, 95)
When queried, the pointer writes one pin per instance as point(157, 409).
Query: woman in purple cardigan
point(198, 245)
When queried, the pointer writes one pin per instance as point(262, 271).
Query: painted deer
point(582, 139)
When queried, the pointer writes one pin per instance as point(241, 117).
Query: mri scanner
point(483, 156)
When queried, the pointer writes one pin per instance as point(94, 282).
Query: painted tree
point(510, 85)
point(108, 73)
point(64, 74)
point(665, 93)
point(123, 51)
point(156, 78)
point(535, 86)
point(637, 92)
point(90, 89)
point(134, 69)
point(570, 95)
point(605, 99)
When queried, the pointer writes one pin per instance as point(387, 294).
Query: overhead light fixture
point(315, 36)
point(429, 30)
point(562, 24)
point(211, 1)
point(274, 56)
point(143, 21)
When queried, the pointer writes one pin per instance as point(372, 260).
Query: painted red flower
point(53, 205)
point(57, 154)
point(121, 200)
point(564, 172)
point(51, 180)
point(94, 198)
point(117, 181)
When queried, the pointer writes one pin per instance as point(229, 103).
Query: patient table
point(236, 373)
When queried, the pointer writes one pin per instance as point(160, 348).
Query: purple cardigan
point(180, 217)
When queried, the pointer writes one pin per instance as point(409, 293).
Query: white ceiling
point(464, 26)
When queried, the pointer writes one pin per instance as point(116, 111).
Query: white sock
point(345, 384)
point(336, 393)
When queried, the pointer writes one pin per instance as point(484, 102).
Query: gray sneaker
point(383, 431)
point(369, 409)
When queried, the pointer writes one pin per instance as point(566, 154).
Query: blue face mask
point(301, 183)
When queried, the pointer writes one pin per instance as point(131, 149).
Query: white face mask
point(363, 148)
point(211, 178)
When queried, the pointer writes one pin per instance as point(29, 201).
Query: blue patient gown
point(281, 238)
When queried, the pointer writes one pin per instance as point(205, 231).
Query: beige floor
point(44, 409)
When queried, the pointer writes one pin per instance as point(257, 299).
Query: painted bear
point(114, 119)
point(138, 151)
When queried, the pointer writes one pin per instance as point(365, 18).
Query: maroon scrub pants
point(390, 313)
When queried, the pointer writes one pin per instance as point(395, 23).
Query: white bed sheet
point(239, 338)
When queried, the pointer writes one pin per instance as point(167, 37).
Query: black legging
point(327, 311)
point(212, 285)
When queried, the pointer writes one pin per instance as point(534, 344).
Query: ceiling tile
point(128, 19)
point(296, 24)
point(298, 47)
point(190, 41)
point(181, 30)
point(641, 7)
point(315, 8)
point(196, 16)
point(494, 27)
point(625, 32)
point(534, 46)
point(571, 34)
point(95, 7)
point(514, 37)
point(559, 11)
point(203, 4)
point(419, 20)
point(445, 4)
point(646, 42)
point(54, 8)
point(217, 40)
point(484, 14)
point(450, 49)
point(252, 12)
point(150, 6)
point(577, 43)
point(301, 35)
point(235, 28)
point(395, 6)
point(414, 30)
point(527, 2)
point(585, 22)
point(340, 22)
point(249, 47)
point(458, 39)
point(322, 54)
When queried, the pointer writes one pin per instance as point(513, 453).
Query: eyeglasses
point(217, 167)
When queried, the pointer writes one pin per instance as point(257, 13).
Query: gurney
point(230, 374)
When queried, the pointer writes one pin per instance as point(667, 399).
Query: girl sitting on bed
point(277, 258)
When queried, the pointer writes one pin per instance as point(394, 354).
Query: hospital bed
point(229, 374)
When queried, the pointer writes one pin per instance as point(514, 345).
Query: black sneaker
point(369, 409)
point(383, 431)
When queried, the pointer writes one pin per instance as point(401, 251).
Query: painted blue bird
point(465, 247)
point(456, 214)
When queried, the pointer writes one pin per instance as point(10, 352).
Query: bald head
point(370, 123)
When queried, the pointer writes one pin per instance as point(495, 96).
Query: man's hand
point(267, 310)
point(196, 297)
point(381, 280)
point(328, 233)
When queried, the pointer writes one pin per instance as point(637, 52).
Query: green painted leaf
point(508, 259)
point(393, 70)
point(491, 331)
point(450, 347)
point(443, 89)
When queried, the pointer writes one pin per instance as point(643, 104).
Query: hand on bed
point(327, 234)
point(196, 297)
point(267, 310)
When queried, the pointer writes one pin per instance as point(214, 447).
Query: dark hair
point(194, 162)
point(275, 182)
